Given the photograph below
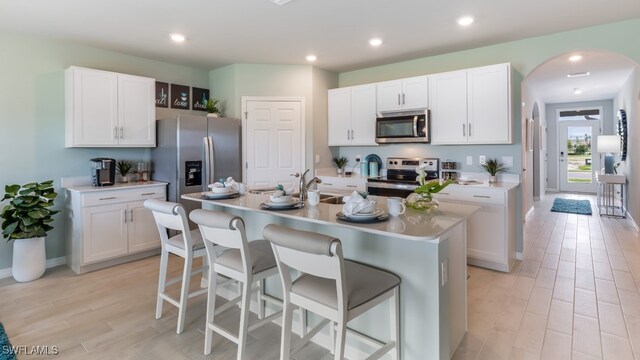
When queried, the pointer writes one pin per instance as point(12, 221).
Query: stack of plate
point(282, 205)
point(220, 193)
point(375, 216)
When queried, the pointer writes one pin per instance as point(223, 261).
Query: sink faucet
point(304, 185)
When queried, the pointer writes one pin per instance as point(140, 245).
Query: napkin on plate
point(279, 193)
point(227, 183)
point(355, 203)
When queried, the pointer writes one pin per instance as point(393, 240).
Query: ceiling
point(221, 32)
point(607, 73)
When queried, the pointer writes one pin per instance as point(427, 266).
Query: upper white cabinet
point(107, 109)
point(471, 106)
point(352, 116)
point(405, 94)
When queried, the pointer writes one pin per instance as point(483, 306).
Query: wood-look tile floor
point(575, 295)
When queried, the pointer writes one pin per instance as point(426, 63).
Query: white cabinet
point(107, 109)
point(334, 184)
point(471, 106)
point(406, 94)
point(491, 231)
point(352, 116)
point(110, 226)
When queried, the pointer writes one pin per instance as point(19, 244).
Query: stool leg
point(211, 310)
point(287, 319)
point(341, 335)
point(332, 335)
point(184, 293)
point(162, 280)
point(394, 319)
point(244, 318)
point(303, 322)
point(260, 299)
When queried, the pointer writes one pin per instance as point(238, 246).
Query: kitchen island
point(427, 250)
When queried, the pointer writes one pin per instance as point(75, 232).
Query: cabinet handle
point(115, 133)
point(403, 99)
point(398, 98)
point(464, 131)
point(147, 194)
point(348, 135)
point(351, 134)
point(443, 193)
point(131, 212)
point(352, 186)
point(326, 183)
point(482, 196)
point(124, 216)
point(121, 132)
point(469, 129)
point(108, 198)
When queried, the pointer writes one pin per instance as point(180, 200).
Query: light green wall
point(32, 114)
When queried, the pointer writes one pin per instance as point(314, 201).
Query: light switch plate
point(358, 158)
point(507, 160)
point(482, 159)
point(469, 160)
point(317, 159)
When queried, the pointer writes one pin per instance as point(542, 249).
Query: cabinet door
point(136, 111)
point(489, 110)
point(339, 124)
point(415, 93)
point(141, 228)
point(448, 103)
point(91, 107)
point(363, 115)
point(486, 235)
point(104, 232)
point(389, 95)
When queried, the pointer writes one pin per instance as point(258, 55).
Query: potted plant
point(340, 163)
point(421, 198)
point(493, 166)
point(124, 168)
point(212, 107)
point(26, 220)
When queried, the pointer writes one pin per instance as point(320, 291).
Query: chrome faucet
point(304, 185)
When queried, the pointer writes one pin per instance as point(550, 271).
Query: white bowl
point(281, 199)
point(221, 190)
point(368, 209)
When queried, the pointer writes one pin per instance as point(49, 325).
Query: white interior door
point(274, 141)
point(578, 156)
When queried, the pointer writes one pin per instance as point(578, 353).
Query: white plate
point(291, 203)
point(221, 190)
point(377, 213)
point(211, 195)
point(284, 199)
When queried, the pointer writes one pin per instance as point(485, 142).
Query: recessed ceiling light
point(465, 20)
point(577, 91)
point(312, 58)
point(575, 58)
point(375, 42)
point(578, 74)
point(177, 37)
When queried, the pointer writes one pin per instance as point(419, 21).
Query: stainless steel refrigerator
point(195, 151)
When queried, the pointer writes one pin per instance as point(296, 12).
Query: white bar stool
point(246, 262)
point(188, 245)
point(337, 289)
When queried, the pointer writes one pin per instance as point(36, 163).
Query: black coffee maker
point(103, 171)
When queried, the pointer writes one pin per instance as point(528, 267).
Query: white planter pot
point(29, 259)
point(493, 179)
point(212, 115)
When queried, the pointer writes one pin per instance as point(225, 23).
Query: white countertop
point(117, 186)
point(412, 225)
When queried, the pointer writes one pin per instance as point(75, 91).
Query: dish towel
point(355, 203)
point(227, 183)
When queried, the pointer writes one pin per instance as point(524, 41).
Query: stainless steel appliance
point(401, 176)
point(403, 127)
point(193, 152)
point(103, 171)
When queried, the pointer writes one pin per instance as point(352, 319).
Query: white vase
point(212, 115)
point(339, 171)
point(29, 259)
point(493, 179)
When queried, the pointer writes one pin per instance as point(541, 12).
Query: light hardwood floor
point(574, 296)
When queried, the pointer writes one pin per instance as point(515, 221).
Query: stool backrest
point(170, 215)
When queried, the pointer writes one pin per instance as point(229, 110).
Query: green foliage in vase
point(212, 106)
point(28, 213)
point(493, 166)
point(428, 187)
point(124, 167)
point(340, 161)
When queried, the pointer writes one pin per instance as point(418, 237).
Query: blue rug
point(571, 206)
point(6, 351)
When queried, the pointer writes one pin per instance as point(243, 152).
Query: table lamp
point(608, 144)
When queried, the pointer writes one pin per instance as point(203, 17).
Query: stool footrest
point(310, 334)
point(228, 305)
point(179, 278)
point(265, 320)
point(222, 331)
point(382, 351)
point(169, 299)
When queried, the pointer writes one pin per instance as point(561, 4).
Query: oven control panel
point(412, 163)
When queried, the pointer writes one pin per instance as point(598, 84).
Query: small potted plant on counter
point(212, 107)
point(26, 221)
point(340, 162)
point(124, 168)
point(493, 167)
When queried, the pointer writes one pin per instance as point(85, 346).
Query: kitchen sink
point(261, 191)
point(331, 199)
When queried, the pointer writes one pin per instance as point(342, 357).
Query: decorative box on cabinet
point(107, 109)
point(109, 225)
point(471, 106)
point(352, 116)
point(491, 231)
point(405, 94)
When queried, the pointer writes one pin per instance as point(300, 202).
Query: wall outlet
point(482, 159)
point(507, 160)
point(317, 159)
point(444, 269)
point(358, 158)
point(469, 160)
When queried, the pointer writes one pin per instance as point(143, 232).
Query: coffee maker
point(103, 171)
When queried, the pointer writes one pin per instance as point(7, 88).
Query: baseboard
point(529, 212)
point(5, 273)
point(519, 255)
point(633, 222)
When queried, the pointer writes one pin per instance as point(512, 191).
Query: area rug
point(582, 207)
point(6, 351)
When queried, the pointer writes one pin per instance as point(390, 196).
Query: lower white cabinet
point(491, 231)
point(108, 226)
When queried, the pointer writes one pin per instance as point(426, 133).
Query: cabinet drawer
point(122, 195)
point(475, 195)
point(334, 183)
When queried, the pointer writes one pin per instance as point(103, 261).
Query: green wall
point(32, 114)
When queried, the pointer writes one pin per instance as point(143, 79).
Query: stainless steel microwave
point(407, 127)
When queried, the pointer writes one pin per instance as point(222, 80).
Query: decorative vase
point(29, 259)
point(125, 179)
point(339, 171)
point(493, 179)
point(422, 201)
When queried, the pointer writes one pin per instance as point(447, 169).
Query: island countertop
point(412, 225)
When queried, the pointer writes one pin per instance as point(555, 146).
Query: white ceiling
point(221, 32)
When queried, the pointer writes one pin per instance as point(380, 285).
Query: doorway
point(578, 130)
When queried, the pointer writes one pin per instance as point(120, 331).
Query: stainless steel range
point(401, 176)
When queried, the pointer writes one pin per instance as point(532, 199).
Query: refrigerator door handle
point(205, 170)
point(211, 166)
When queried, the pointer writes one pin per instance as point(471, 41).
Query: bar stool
point(337, 289)
point(246, 262)
point(188, 245)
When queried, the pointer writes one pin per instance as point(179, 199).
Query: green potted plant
point(124, 168)
point(212, 107)
point(26, 220)
point(340, 162)
point(493, 167)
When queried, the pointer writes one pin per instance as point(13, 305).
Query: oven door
point(389, 189)
point(413, 128)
